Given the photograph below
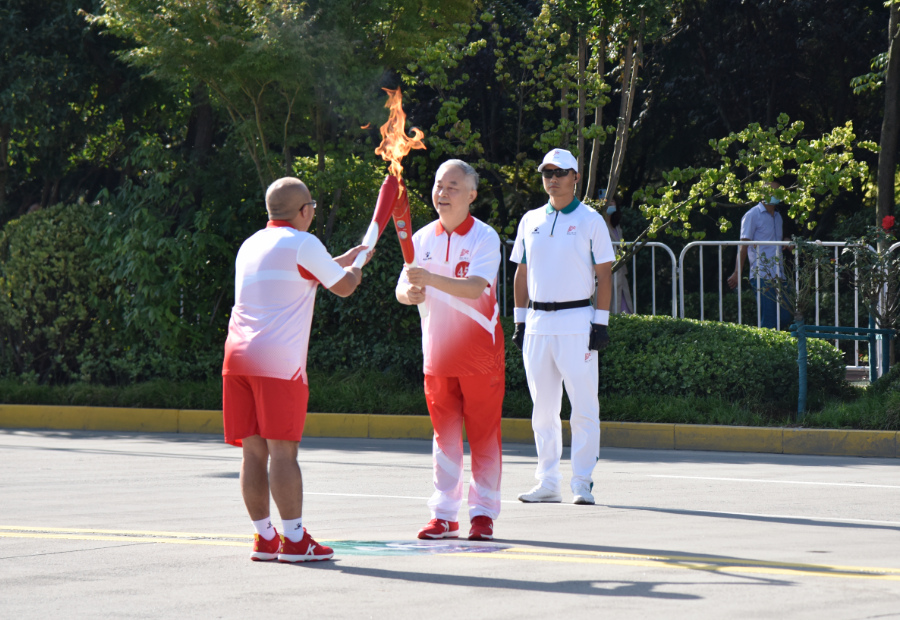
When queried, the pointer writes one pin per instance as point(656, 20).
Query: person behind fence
point(763, 223)
point(561, 248)
point(621, 299)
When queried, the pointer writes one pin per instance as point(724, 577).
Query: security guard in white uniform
point(561, 247)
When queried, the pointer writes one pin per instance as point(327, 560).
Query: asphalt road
point(148, 526)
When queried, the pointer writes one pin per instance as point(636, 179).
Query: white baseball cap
point(560, 158)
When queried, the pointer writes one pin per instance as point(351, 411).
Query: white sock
point(293, 529)
point(264, 528)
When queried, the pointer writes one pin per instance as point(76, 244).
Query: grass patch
point(877, 408)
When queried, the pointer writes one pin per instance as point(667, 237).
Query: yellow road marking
point(21, 528)
point(715, 565)
point(710, 564)
point(697, 559)
point(173, 541)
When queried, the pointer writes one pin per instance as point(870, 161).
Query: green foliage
point(750, 160)
point(369, 329)
point(683, 357)
point(49, 295)
point(874, 272)
point(169, 262)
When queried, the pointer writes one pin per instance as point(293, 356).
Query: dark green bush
point(49, 295)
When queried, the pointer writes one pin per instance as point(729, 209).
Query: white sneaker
point(540, 494)
point(583, 495)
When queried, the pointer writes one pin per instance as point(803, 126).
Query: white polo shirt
point(460, 337)
point(277, 271)
point(561, 249)
point(758, 225)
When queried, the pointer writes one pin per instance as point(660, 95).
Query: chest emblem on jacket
point(463, 254)
point(571, 230)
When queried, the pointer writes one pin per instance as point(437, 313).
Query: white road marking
point(505, 501)
point(833, 484)
point(651, 508)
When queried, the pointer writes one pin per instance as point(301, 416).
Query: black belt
point(559, 305)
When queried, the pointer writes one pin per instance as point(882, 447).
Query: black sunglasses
point(559, 173)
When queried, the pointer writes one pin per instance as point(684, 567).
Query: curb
point(799, 441)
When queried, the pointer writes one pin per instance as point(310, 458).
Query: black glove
point(518, 337)
point(599, 339)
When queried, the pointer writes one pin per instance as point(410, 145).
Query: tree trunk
point(203, 126)
point(4, 162)
point(598, 120)
point(564, 112)
point(582, 105)
point(628, 103)
point(320, 164)
point(889, 124)
point(622, 125)
point(332, 215)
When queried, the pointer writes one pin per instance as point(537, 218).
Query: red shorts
point(270, 408)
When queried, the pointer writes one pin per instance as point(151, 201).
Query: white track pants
point(551, 361)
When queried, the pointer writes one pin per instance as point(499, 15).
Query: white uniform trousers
point(551, 361)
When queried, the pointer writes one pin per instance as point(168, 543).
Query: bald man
point(265, 384)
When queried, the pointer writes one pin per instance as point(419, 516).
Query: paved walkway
point(125, 525)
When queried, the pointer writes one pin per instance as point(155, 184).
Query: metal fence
point(679, 294)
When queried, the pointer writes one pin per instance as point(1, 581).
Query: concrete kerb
point(373, 426)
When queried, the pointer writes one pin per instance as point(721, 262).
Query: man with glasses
point(561, 248)
point(264, 381)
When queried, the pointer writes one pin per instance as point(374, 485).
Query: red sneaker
point(439, 528)
point(264, 550)
point(482, 528)
point(307, 550)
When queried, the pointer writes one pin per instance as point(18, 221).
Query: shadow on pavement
point(761, 518)
point(594, 587)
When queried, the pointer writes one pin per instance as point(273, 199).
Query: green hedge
point(685, 357)
point(58, 323)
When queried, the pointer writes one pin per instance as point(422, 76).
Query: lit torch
point(393, 198)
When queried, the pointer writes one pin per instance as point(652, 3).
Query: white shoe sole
point(437, 536)
point(293, 559)
point(481, 537)
point(548, 500)
point(583, 501)
point(259, 556)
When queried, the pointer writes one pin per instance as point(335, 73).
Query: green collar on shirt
point(567, 209)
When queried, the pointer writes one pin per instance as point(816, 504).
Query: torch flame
point(395, 144)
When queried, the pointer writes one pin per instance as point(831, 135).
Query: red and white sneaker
point(264, 550)
point(439, 528)
point(307, 550)
point(482, 528)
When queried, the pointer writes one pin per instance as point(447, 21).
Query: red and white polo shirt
point(276, 274)
point(460, 337)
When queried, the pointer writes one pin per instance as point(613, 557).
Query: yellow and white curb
point(772, 440)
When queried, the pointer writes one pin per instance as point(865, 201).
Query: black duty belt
point(559, 305)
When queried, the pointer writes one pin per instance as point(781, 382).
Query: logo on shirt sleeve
point(571, 230)
point(462, 269)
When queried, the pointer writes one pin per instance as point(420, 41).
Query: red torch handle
point(403, 224)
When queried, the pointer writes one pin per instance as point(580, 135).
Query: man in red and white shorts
point(462, 342)
point(265, 385)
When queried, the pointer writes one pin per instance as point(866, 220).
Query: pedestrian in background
point(763, 223)
point(621, 298)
